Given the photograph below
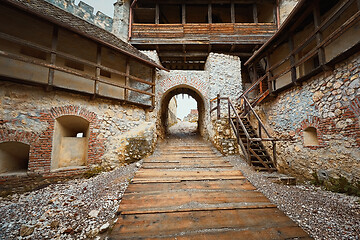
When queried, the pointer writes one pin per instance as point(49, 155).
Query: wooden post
point(218, 106)
point(183, 13)
point(157, 14)
point(97, 72)
point(292, 58)
point(319, 38)
point(153, 78)
point(278, 14)
point(209, 13)
point(127, 83)
point(255, 14)
point(54, 43)
point(268, 72)
point(259, 126)
point(233, 18)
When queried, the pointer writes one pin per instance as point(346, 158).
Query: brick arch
point(41, 151)
point(355, 106)
point(315, 122)
point(28, 138)
point(180, 89)
point(57, 112)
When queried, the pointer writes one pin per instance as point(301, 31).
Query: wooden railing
point(233, 116)
point(96, 66)
point(293, 60)
point(235, 32)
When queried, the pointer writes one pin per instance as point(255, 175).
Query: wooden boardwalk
point(190, 192)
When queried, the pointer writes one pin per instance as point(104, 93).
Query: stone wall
point(224, 139)
point(222, 74)
point(118, 133)
point(86, 12)
point(330, 103)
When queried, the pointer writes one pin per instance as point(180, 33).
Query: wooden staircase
point(259, 157)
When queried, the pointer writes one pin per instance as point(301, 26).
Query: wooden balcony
point(202, 33)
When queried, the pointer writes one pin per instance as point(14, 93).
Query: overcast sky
point(105, 6)
point(185, 105)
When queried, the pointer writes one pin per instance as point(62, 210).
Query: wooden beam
point(183, 13)
point(292, 58)
point(157, 14)
point(97, 72)
point(255, 13)
point(319, 38)
point(209, 13)
point(268, 73)
point(233, 17)
point(153, 78)
point(127, 80)
point(54, 43)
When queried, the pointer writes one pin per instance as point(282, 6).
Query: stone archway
point(182, 89)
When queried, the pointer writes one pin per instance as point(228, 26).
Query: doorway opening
point(188, 106)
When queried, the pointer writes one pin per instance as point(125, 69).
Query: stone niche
point(310, 137)
point(14, 157)
point(70, 143)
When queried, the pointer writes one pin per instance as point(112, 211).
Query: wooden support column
point(153, 78)
point(127, 79)
point(358, 4)
point(255, 14)
point(319, 38)
point(292, 58)
point(268, 73)
point(209, 13)
point(277, 14)
point(233, 11)
point(97, 72)
point(54, 43)
point(157, 14)
point(183, 13)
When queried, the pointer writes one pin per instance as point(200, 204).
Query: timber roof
point(71, 22)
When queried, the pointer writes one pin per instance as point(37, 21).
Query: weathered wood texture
point(246, 33)
point(198, 203)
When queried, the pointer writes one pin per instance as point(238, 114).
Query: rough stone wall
point(121, 19)
point(84, 11)
point(117, 133)
point(286, 6)
point(172, 112)
point(222, 75)
point(330, 102)
point(224, 139)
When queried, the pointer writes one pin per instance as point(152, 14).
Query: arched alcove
point(182, 89)
point(310, 137)
point(14, 157)
point(70, 142)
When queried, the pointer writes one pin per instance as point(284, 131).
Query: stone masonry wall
point(224, 139)
point(330, 102)
point(118, 134)
point(222, 75)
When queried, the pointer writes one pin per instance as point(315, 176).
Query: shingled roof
point(67, 20)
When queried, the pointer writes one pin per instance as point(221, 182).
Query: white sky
point(105, 6)
point(185, 105)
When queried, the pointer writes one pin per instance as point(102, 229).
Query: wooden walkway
point(190, 192)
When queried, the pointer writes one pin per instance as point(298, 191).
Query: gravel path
point(323, 214)
point(76, 209)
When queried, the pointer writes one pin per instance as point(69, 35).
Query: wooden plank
point(54, 43)
point(171, 224)
point(170, 174)
point(242, 184)
point(185, 200)
point(182, 179)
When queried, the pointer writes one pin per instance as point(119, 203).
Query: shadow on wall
point(163, 114)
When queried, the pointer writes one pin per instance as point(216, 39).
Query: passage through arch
point(165, 108)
